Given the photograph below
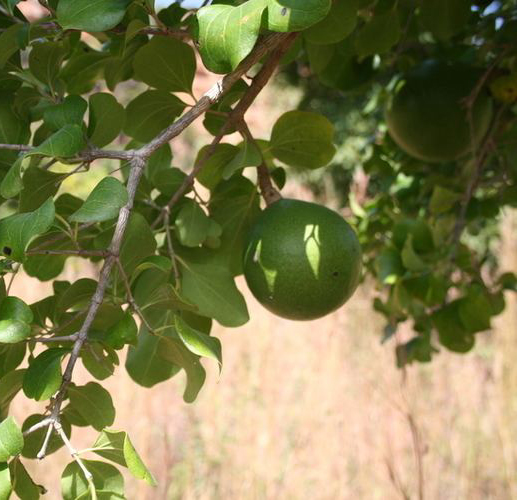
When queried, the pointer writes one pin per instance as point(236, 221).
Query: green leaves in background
point(379, 34)
point(303, 139)
point(337, 25)
point(151, 112)
point(444, 18)
point(12, 183)
point(11, 439)
point(17, 231)
point(103, 203)
point(117, 447)
point(86, 15)
point(106, 119)
point(24, 486)
point(166, 64)
point(5, 482)
point(43, 377)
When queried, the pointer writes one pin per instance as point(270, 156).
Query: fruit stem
point(267, 190)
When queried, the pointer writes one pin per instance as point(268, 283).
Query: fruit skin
point(426, 115)
point(302, 260)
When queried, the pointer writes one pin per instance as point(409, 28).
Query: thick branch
point(235, 116)
point(216, 92)
point(137, 168)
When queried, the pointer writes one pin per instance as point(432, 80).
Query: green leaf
point(228, 34)
point(17, 231)
point(388, 265)
point(198, 342)
point(145, 364)
point(234, 204)
point(248, 156)
point(103, 203)
point(81, 73)
point(475, 310)
point(11, 356)
point(379, 34)
point(212, 172)
point(444, 18)
point(85, 15)
point(38, 186)
point(122, 333)
point(9, 42)
point(45, 61)
point(10, 385)
point(11, 439)
point(451, 332)
point(13, 129)
point(69, 112)
point(15, 308)
point(12, 183)
point(191, 224)
point(106, 119)
point(296, 15)
point(24, 486)
point(5, 478)
point(303, 139)
point(410, 259)
point(13, 331)
point(34, 440)
point(64, 143)
point(151, 112)
point(211, 288)
point(442, 200)
point(169, 180)
point(99, 361)
point(166, 64)
point(139, 243)
point(337, 25)
point(107, 480)
point(43, 377)
point(93, 403)
point(116, 446)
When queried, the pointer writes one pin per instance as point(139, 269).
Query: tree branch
point(236, 114)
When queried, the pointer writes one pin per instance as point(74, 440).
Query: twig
point(137, 168)
point(59, 429)
point(47, 340)
point(170, 247)
point(43, 451)
point(267, 190)
point(81, 253)
point(38, 426)
point(130, 297)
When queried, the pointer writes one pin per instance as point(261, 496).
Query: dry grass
point(317, 411)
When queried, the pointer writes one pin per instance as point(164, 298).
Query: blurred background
point(313, 410)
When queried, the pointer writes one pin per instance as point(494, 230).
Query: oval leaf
point(86, 15)
point(103, 203)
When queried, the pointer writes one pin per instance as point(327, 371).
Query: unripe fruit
point(302, 260)
point(427, 115)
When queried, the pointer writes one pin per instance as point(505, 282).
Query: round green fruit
point(427, 116)
point(302, 260)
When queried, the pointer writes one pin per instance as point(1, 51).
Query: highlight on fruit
point(302, 260)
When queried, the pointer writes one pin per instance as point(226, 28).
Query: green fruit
point(302, 260)
point(427, 116)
